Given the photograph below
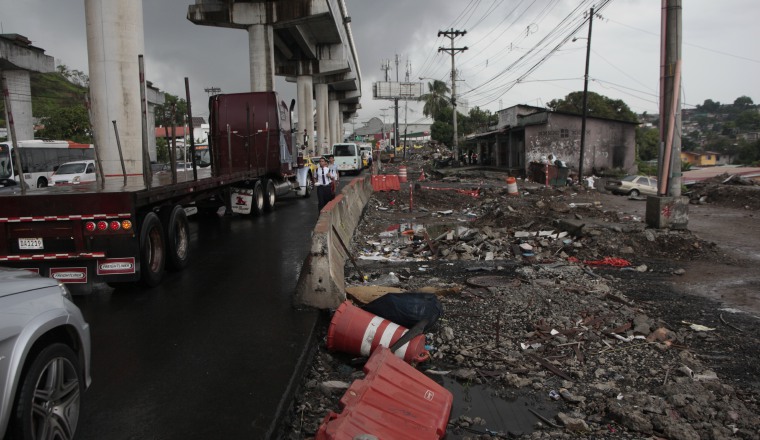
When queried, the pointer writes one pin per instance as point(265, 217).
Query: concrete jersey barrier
point(322, 280)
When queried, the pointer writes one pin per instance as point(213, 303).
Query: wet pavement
point(215, 350)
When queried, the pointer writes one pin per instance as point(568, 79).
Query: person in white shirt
point(334, 168)
point(323, 182)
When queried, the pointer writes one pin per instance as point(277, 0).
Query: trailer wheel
point(270, 196)
point(177, 233)
point(152, 251)
point(258, 199)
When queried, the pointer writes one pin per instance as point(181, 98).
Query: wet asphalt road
point(211, 352)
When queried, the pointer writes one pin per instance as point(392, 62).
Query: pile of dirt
point(554, 298)
point(727, 191)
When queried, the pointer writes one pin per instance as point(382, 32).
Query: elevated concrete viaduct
point(306, 41)
point(17, 58)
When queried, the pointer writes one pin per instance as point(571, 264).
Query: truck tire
point(270, 196)
point(258, 199)
point(152, 251)
point(177, 233)
point(309, 186)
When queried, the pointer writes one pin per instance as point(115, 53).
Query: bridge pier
point(261, 56)
point(336, 121)
point(323, 126)
point(19, 57)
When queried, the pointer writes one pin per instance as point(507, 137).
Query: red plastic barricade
point(393, 401)
point(385, 182)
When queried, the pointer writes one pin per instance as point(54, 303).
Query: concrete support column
point(323, 127)
point(305, 101)
point(480, 153)
point(336, 125)
point(261, 56)
point(20, 95)
point(114, 40)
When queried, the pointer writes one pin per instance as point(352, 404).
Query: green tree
point(709, 106)
point(442, 132)
point(597, 105)
point(67, 123)
point(163, 111)
point(743, 103)
point(436, 99)
point(748, 120)
point(647, 143)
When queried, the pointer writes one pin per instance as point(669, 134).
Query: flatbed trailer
point(116, 231)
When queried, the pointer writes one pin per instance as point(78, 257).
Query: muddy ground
point(565, 316)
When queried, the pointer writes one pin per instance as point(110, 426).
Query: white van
point(74, 173)
point(348, 158)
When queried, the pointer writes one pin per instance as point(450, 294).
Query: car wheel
point(177, 233)
point(634, 193)
point(153, 251)
point(50, 395)
point(42, 182)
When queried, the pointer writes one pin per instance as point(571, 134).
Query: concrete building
point(374, 129)
point(528, 134)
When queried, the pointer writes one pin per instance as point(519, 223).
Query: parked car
point(633, 186)
point(74, 173)
point(44, 357)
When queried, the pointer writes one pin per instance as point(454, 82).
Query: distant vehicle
point(312, 164)
point(74, 173)
point(633, 186)
point(39, 159)
point(44, 357)
point(348, 158)
point(366, 152)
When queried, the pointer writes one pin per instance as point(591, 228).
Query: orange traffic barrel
point(353, 330)
point(512, 186)
point(402, 174)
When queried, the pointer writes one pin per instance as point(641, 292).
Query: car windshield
point(71, 168)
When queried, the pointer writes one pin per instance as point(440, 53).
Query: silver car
point(44, 357)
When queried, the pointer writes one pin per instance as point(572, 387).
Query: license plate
point(30, 243)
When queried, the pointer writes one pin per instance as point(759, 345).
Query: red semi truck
point(117, 231)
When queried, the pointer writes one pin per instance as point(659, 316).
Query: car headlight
point(65, 292)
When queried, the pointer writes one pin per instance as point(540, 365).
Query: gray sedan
point(44, 357)
point(633, 186)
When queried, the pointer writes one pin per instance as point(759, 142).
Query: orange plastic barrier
point(393, 401)
point(385, 182)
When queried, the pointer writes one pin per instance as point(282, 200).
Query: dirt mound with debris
point(555, 300)
point(727, 191)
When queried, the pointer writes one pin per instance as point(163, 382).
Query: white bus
point(39, 159)
point(348, 158)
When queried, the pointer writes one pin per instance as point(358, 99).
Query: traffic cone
point(422, 176)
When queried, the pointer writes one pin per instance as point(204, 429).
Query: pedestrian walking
point(336, 173)
point(324, 183)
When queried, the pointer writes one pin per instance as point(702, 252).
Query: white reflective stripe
point(401, 352)
point(387, 337)
point(369, 335)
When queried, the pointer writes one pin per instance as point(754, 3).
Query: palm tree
point(437, 98)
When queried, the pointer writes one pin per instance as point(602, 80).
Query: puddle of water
point(501, 415)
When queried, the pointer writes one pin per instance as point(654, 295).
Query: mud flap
point(241, 200)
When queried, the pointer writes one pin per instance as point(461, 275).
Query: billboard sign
point(394, 90)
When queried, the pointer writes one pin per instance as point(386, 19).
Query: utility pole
point(451, 35)
point(669, 182)
point(406, 105)
point(585, 97)
point(395, 106)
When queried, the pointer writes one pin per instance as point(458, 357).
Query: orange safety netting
point(606, 261)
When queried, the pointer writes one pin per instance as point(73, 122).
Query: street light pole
point(585, 98)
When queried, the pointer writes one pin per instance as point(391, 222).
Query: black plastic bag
point(407, 309)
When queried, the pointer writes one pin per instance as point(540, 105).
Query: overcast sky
point(506, 40)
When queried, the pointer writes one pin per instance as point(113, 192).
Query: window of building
point(564, 133)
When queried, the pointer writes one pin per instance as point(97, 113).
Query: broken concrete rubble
point(610, 341)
